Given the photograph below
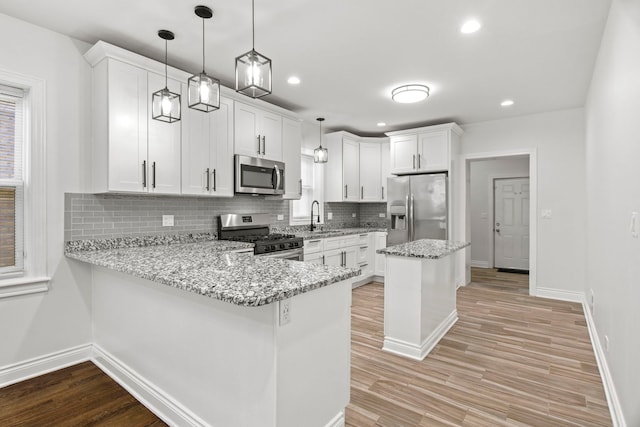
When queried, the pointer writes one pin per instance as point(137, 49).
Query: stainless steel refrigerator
point(417, 207)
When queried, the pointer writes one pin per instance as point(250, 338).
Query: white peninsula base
point(419, 304)
point(194, 360)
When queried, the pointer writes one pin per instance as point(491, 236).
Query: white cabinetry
point(342, 182)
point(131, 151)
point(427, 149)
point(291, 142)
point(207, 151)
point(380, 239)
point(370, 179)
point(258, 133)
point(385, 170)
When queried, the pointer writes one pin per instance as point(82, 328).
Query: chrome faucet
point(315, 202)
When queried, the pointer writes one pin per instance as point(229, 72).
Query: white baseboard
point(480, 264)
point(615, 408)
point(31, 368)
point(571, 296)
point(419, 352)
point(151, 396)
point(337, 421)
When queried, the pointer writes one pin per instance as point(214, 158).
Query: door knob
point(497, 224)
point(497, 230)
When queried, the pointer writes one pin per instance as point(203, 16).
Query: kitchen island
point(419, 295)
point(203, 336)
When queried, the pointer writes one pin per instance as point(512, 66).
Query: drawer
point(363, 253)
point(332, 243)
point(363, 239)
point(352, 240)
point(313, 246)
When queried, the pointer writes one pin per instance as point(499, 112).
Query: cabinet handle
point(153, 169)
point(300, 187)
point(362, 192)
point(258, 145)
point(414, 161)
point(214, 180)
point(383, 192)
point(322, 259)
point(419, 161)
point(144, 174)
point(264, 145)
point(345, 191)
point(344, 259)
point(207, 172)
point(314, 241)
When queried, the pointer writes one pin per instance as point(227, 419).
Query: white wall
point(481, 186)
point(613, 184)
point(558, 141)
point(39, 324)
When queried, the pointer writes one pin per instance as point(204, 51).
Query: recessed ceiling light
point(507, 103)
point(293, 80)
point(382, 124)
point(471, 26)
point(409, 94)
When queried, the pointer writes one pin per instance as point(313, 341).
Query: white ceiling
point(350, 54)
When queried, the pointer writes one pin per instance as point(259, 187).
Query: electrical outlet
point(285, 311)
point(353, 215)
point(280, 217)
point(382, 215)
point(167, 220)
point(330, 215)
point(546, 213)
point(606, 343)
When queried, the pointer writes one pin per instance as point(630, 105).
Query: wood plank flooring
point(510, 360)
point(81, 395)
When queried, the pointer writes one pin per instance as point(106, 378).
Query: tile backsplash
point(106, 216)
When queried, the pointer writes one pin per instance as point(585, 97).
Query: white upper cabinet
point(342, 177)
point(207, 151)
point(131, 151)
point(427, 149)
point(258, 133)
point(351, 169)
point(291, 144)
point(385, 168)
point(370, 179)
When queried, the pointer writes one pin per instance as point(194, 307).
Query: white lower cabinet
point(315, 258)
point(380, 239)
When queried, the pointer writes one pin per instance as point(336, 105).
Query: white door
point(271, 133)
point(246, 130)
point(221, 177)
point(511, 223)
point(403, 153)
point(432, 151)
point(370, 189)
point(350, 170)
point(385, 171)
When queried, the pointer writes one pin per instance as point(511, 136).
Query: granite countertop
point(308, 235)
point(424, 248)
point(207, 268)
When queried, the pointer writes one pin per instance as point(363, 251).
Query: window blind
point(12, 179)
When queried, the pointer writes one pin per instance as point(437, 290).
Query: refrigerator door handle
point(408, 217)
point(412, 231)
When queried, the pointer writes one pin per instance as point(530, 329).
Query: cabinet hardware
point(207, 172)
point(322, 259)
point(264, 145)
point(214, 180)
point(314, 241)
point(364, 247)
point(363, 235)
point(153, 169)
point(300, 187)
point(414, 161)
point(362, 192)
point(419, 161)
point(258, 145)
point(144, 174)
point(382, 192)
point(345, 191)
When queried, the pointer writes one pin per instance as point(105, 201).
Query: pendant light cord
point(253, 26)
point(203, 46)
point(166, 81)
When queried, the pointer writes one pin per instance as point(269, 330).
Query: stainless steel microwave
point(258, 176)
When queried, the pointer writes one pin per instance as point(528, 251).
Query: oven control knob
point(272, 248)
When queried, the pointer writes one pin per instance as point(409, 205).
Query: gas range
point(254, 228)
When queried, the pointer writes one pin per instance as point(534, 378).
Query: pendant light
point(320, 154)
point(204, 91)
point(253, 70)
point(165, 104)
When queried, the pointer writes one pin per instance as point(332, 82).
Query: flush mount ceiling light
point(320, 154)
point(409, 94)
point(165, 105)
point(507, 103)
point(253, 70)
point(470, 26)
point(204, 91)
point(381, 124)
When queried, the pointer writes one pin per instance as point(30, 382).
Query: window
point(23, 232)
point(312, 179)
point(11, 180)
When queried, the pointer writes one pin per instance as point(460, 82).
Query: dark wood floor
point(510, 359)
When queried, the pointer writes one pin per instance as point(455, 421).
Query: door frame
point(491, 212)
point(462, 221)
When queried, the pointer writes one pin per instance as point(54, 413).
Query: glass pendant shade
point(253, 74)
point(204, 91)
point(165, 105)
point(320, 154)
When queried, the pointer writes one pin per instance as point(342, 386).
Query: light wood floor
point(510, 359)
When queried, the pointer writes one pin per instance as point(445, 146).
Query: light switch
point(635, 224)
point(280, 217)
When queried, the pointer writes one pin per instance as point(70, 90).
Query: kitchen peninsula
point(205, 336)
point(419, 295)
